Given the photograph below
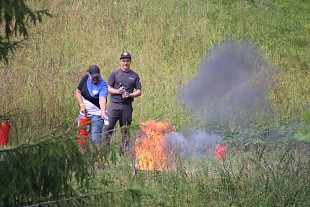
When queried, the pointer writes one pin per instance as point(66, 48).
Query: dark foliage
point(47, 170)
point(15, 19)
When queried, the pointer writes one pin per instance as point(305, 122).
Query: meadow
point(168, 41)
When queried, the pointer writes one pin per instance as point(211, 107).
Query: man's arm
point(136, 93)
point(114, 91)
point(79, 99)
point(103, 106)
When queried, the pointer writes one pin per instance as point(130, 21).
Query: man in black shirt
point(123, 85)
point(91, 94)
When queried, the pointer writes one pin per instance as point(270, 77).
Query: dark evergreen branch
point(15, 17)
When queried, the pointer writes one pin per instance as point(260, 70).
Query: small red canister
point(4, 132)
point(83, 130)
point(220, 151)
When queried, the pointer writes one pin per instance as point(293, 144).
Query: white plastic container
point(106, 122)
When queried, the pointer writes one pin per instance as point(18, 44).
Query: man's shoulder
point(102, 82)
point(132, 72)
point(84, 78)
point(116, 71)
point(83, 82)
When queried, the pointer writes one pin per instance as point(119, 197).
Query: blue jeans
point(95, 128)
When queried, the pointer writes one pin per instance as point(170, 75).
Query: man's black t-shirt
point(87, 89)
point(129, 80)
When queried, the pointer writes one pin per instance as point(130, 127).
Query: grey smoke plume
point(197, 142)
point(230, 86)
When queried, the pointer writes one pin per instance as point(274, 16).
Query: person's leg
point(96, 135)
point(96, 129)
point(113, 113)
point(125, 120)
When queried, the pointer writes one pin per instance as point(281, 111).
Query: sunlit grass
point(168, 40)
point(259, 176)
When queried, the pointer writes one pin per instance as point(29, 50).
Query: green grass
point(257, 177)
point(260, 175)
point(168, 40)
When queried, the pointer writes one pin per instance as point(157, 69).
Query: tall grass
point(257, 177)
point(167, 39)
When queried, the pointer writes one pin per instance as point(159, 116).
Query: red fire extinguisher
point(4, 132)
point(83, 130)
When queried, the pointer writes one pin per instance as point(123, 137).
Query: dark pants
point(123, 114)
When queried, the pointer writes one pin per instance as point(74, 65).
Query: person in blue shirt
point(91, 95)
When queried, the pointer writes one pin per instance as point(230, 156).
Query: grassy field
point(168, 41)
point(258, 177)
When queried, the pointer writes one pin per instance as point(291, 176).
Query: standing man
point(91, 95)
point(123, 85)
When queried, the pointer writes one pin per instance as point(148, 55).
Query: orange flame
point(149, 150)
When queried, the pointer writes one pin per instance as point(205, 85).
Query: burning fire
point(149, 149)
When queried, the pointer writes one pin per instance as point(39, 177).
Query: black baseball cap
point(94, 71)
point(125, 55)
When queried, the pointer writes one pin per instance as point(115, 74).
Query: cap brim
point(95, 75)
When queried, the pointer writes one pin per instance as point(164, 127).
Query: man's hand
point(125, 95)
point(121, 90)
point(83, 109)
point(104, 115)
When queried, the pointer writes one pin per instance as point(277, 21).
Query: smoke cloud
point(230, 86)
point(197, 142)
